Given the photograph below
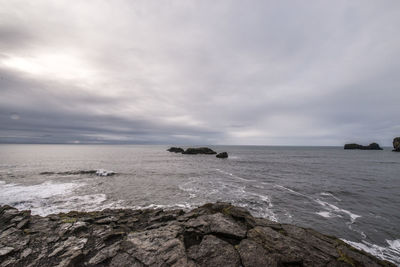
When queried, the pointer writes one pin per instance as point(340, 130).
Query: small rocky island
point(396, 144)
point(216, 234)
point(222, 155)
point(372, 146)
point(176, 149)
point(197, 150)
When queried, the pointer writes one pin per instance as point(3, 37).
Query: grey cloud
point(231, 72)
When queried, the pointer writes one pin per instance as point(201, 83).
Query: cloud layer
point(205, 72)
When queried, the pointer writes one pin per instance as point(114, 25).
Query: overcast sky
point(200, 72)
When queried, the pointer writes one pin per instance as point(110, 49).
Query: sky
point(200, 72)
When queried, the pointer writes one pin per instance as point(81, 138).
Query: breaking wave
point(390, 252)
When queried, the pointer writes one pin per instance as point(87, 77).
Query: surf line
point(234, 176)
point(329, 207)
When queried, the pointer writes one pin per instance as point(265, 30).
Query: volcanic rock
point(372, 146)
point(396, 144)
point(199, 150)
point(217, 234)
point(222, 155)
point(176, 149)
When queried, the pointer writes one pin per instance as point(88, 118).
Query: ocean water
point(352, 194)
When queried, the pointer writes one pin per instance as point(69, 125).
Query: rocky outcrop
point(99, 172)
point(372, 146)
point(216, 234)
point(199, 150)
point(396, 144)
point(176, 149)
point(222, 155)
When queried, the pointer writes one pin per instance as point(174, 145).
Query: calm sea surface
point(352, 194)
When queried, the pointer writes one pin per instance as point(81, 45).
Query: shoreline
point(215, 234)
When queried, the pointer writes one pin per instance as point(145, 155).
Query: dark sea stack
point(176, 149)
point(222, 155)
point(217, 234)
point(396, 144)
point(199, 150)
point(372, 146)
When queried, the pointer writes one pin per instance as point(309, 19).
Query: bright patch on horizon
point(59, 66)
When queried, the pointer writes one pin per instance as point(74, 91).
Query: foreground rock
point(222, 155)
point(176, 149)
point(396, 144)
point(372, 146)
point(199, 150)
point(212, 235)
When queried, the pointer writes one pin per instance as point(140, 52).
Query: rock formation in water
point(222, 155)
point(396, 144)
point(372, 146)
point(199, 150)
point(176, 149)
point(100, 172)
point(212, 235)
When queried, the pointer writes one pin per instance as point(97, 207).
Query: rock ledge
point(216, 234)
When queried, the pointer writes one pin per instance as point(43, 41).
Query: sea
point(351, 194)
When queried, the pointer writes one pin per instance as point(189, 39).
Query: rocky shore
point(216, 234)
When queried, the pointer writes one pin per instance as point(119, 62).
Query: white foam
point(333, 208)
point(292, 191)
point(2, 182)
point(102, 172)
point(394, 244)
point(14, 193)
point(389, 253)
point(185, 206)
point(264, 198)
point(330, 195)
point(234, 176)
point(48, 197)
point(325, 214)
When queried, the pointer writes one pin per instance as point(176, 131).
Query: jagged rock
point(396, 144)
point(199, 150)
point(213, 251)
point(216, 234)
point(222, 155)
point(372, 146)
point(5, 250)
point(176, 149)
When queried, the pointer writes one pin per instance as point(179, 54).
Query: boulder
point(222, 155)
point(396, 144)
point(199, 150)
point(372, 146)
point(176, 149)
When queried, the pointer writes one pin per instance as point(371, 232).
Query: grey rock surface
point(199, 150)
point(396, 144)
point(222, 155)
point(176, 149)
point(372, 146)
point(217, 234)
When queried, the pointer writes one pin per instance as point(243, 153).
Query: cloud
point(230, 72)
